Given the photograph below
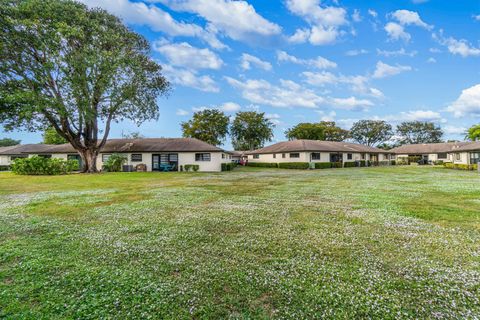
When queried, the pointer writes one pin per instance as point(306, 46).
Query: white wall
point(306, 156)
point(464, 158)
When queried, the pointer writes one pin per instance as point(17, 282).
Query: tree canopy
point(323, 130)
point(474, 133)
point(75, 69)
point(415, 132)
point(51, 136)
point(7, 142)
point(209, 125)
point(250, 130)
point(371, 132)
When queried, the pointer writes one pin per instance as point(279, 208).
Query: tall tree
point(209, 125)
point(74, 69)
point(51, 136)
point(414, 132)
point(474, 133)
point(371, 132)
point(133, 135)
point(7, 142)
point(323, 130)
point(250, 130)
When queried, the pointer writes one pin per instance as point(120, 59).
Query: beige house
point(158, 154)
point(318, 151)
point(431, 152)
point(469, 153)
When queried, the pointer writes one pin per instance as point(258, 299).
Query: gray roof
point(426, 148)
point(316, 145)
point(123, 145)
point(472, 146)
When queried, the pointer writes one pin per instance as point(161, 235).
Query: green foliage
point(7, 142)
point(210, 126)
point(323, 165)
point(393, 162)
point(51, 136)
point(43, 166)
point(133, 135)
point(337, 164)
point(349, 164)
point(114, 163)
point(438, 162)
point(415, 132)
point(324, 130)
point(457, 166)
point(191, 167)
point(70, 67)
point(371, 132)
point(229, 166)
point(250, 130)
point(263, 164)
point(474, 133)
point(293, 165)
point(414, 159)
point(5, 168)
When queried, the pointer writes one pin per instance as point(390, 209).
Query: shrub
point(448, 165)
point(384, 163)
point(195, 167)
point(461, 166)
point(402, 161)
point(350, 164)
point(293, 165)
point(393, 162)
point(181, 168)
point(337, 165)
point(228, 166)
point(43, 166)
point(114, 163)
point(4, 168)
point(414, 159)
point(191, 167)
point(362, 163)
point(438, 162)
point(323, 165)
point(263, 164)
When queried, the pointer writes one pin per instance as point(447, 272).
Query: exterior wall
point(268, 157)
point(431, 157)
point(464, 158)
point(306, 157)
point(4, 160)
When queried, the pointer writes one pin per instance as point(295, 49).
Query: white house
point(431, 152)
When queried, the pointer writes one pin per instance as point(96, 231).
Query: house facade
point(433, 152)
point(157, 154)
point(318, 151)
point(469, 153)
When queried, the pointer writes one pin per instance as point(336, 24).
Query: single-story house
point(468, 153)
point(317, 151)
point(155, 153)
point(430, 152)
point(238, 156)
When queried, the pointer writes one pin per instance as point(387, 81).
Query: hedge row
point(460, 166)
point(319, 165)
point(263, 164)
point(43, 166)
point(228, 166)
point(293, 165)
point(4, 168)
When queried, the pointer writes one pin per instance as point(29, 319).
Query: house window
point(223, 155)
point(274, 156)
point(457, 156)
point(474, 157)
point(349, 156)
point(283, 155)
point(105, 157)
point(442, 156)
point(46, 156)
point(295, 155)
point(202, 157)
point(363, 156)
point(136, 157)
point(18, 157)
point(256, 156)
point(315, 155)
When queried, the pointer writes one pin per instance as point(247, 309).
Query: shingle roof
point(472, 146)
point(125, 145)
point(426, 148)
point(316, 145)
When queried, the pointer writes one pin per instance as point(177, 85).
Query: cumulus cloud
point(229, 107)
point(139, 13)
point(287, 94)
point(356, 52)
point(467, 104)
point(419, 115)
point(351, 103)
point(383, 70)
point(373, 13)
point(248, 60)
point(457, 47)
point(190, 78)
point(406, 17)
point(394, 53)
point(476, 17)
point(356, 16)
point(396, 31)
point(235, 19)
point(300, 36)
point(319, 62)
point(182, 112)
point(185, 55)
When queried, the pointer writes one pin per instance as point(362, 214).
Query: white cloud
point(324, 21)
point(394, 53)
point(190, 78)
point(460, 47)
point(406, 17)
point(248, 60)
point(356, 16)
point(383, 70)
point(351, 103)
point(287, 94)
point(455, 130)
point(467, 104)
point(138, 13)
point(356, 52)
point(419, 115)
point(373, 13)
point(182, 112)
point(236, 19)
point(185, 55)
point(476, 17)
point(300, 36)
point(397, 32)
point(319, 62)
point(432, 60)
point(229, 107)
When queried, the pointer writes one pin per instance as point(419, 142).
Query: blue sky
point(310, 60)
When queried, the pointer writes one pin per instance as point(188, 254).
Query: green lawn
point(396, 242)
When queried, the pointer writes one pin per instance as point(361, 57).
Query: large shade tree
point(414, 132)
point(250, 130)
point(51, 136)
point(75, 69)
point(371, 132)
point(209, 125)
point(7, 142)
point(474, 133)
point(323, 130)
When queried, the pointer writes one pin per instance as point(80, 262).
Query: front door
point(165, 162)
point(336, 157)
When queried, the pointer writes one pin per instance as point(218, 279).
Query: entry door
point(163, 159)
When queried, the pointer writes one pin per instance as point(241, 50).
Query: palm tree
point(474, 133)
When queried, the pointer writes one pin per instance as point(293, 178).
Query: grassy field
point(394, 242)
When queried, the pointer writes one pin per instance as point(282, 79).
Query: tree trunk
point(89, 159)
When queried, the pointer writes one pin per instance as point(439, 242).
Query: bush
point(181, 168)
point(393, 162)
point(438, 162)
point(384, 163)
point(448, 165)
point(114, 163)
point(4, 168)
point(414, 159)
point(337, 164)
point(263, 164)
point(294, 165)
point(362, 163)
point(228, 166)
point(402, 161)
point(191, 167)
point(349, 164)
point(323, 165)
point(43, 166)
point(461, 166)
